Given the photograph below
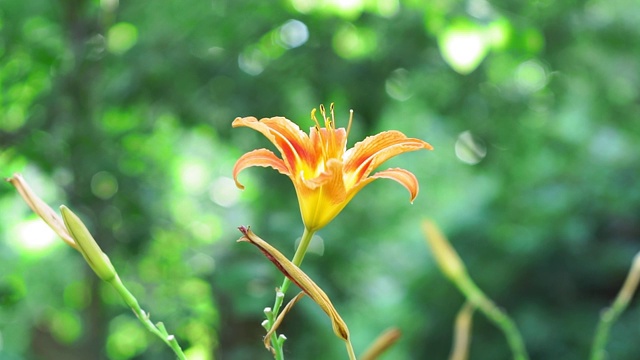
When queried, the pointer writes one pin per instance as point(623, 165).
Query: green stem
point(159, 330)
point(611, 314)
point(352, 354)
point(297, 260)
point(493, 313)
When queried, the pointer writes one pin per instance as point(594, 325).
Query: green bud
point(90, 250)
point(446, 256)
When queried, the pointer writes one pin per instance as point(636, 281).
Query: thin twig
point(612, 313)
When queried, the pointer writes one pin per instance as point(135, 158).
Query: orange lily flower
point(325, 174)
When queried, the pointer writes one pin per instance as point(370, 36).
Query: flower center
point(331, 147)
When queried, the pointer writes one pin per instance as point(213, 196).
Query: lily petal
point(335, 189)
point(404, 177)
point(330, 143)
point(322, 205)
point(369, 153)
point(292, 142)
point(260, 157)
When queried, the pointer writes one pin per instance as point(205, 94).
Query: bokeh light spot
point(398, 85)
point(303, 6)
point(109, 5)
point(104, 185)
point(202, 264)
point(252, 61)
point(469, 149)
point(193, 176)
point(345, 8)
point(121, 37)
point(533, 40)
point(351, 42)
point(530, 77)
point(117, 120)
point(34, 236)
point(499, 33)
point(206, 231)
point(126, 339)
point(13, 119)
point(387, 8)
point(463, 46)
point(65, 326)
point(224, 192)
point(198, 353)
point(293, 33)
point(479, 9)
point(316, 246)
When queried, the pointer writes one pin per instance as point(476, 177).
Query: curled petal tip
point(259, 157)
point(403, 177)
point(414, 195)
point(241, 121)
point(238, 185)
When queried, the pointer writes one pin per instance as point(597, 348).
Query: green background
point(123, 110)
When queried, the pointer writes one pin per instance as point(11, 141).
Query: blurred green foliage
point(122, 111)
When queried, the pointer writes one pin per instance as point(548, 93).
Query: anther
point(313, 117)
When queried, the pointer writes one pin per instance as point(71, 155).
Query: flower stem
point(352, 354)
point(611, 314)
point(478, 298)
point(297, 260)
point(159, 330)
point(453, 268)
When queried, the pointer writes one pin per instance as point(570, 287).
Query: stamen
point(350, 121)
point(332, 116)
point(319, 130)
point(331, 125)
point(323, 111)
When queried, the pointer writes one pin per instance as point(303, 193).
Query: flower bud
point(445, 255)
point(87, 245)
point(381, 344)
